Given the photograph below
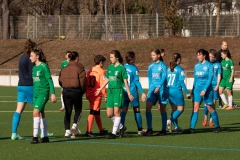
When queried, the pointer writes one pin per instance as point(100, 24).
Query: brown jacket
point(73, 76)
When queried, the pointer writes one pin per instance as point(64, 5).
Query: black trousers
point(71, 99)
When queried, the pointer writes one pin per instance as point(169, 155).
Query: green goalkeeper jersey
point(64, 64)
point(42, 80)
point(115, 75)
point(227, 68)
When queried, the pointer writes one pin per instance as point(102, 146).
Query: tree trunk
point(218, 17)
point(5, 19)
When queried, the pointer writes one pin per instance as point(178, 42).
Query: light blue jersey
point(203, 74)
point(175, 82)
point(216, 71)
point(133, 79)
point(157, 73)
point(134, 84)
point(175, 79)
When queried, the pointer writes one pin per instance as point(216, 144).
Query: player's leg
point(77, 102)
point(124, 111)
point(90, 118)
point(230, 96)
point(68, 112)
point(43, 126)
point(174, 119)
point(230, 100)
point(151, 100)
point(222, 95)
point(25, 94)
point(124, 108)
point(63, 107)
point(138, 119)
point(197, 100)
point(176, 99)
point(208, 99)
point(114, 104)
point(16, 119)
point(96, 108)
point(163, 96)
point(215, 119)
point(205, 111)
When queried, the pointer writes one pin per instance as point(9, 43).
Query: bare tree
point(218, 9)
point(5, 18)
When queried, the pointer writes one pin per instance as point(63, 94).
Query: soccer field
point(202, 145)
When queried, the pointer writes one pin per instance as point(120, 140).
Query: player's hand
point(97, 92)
point(202, 93)
point(130, 97)
point(53, 98)
point(156, 90)
point(189, 96)
point(144, 97)
point(216, 89)
point(105, 99)
point(230, 80)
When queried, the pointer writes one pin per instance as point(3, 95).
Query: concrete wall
point(13, 81)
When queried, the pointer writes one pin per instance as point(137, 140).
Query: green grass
point(202, 145)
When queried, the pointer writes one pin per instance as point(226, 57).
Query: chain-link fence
point(118, 27)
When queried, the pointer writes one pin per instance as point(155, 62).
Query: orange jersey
point(95, 79)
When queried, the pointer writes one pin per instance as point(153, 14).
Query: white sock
point(120, 125)
point(230, 101)
point(74, 125)
point(205, 117)
point(36, 124)
point(43, 126)
point(62, 101)
point(116, 125)
point(223, 98)
point(113, 119)
point(210, 120)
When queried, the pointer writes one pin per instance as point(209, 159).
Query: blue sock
point(205, 110)
point(149, 119)
point(215, 118)
point(164, 121)
point(174, 117)
point(138, 119)
point(123, 115)
point(15, 121)
point(194, 120)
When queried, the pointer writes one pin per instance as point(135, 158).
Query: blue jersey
point(216, 71)
point(175, 79)
point(203, 74)
point(157, 73)
point(133, 79)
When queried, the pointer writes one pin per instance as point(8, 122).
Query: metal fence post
point(59, 26)
point(238, 24)
point(210, 23)
point(36, 36)
point(82, 26)
point(10, 81)
point(131, 27)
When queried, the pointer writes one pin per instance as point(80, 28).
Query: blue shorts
point(175, 96)
point(161, 96)
point(207, 98)
point(25, 94)
point(134, 103)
